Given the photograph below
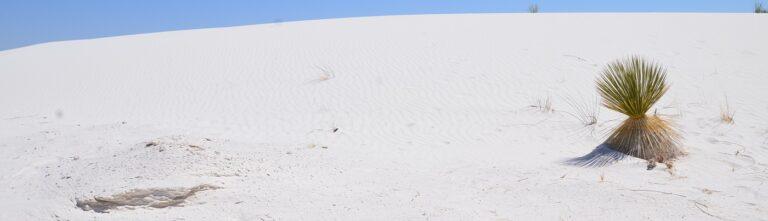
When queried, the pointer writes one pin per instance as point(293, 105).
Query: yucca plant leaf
point(632, 86)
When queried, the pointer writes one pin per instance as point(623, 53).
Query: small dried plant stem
point(726, 114)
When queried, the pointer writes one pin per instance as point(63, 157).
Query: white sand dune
point(422, 117)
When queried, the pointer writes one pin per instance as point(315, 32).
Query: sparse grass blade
point(726, 113)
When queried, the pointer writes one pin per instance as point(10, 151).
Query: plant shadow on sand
point(601, 156)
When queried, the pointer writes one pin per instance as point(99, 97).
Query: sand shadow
point(601, 156)
point(136, 198)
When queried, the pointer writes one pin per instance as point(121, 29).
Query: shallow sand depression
point(424, 117)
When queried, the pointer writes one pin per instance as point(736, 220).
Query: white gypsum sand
point(426, 117)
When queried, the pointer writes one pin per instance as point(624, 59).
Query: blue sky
point(26, 22)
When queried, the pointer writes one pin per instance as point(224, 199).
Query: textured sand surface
point(426, 117)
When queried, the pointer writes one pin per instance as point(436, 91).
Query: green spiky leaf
point(631, 86)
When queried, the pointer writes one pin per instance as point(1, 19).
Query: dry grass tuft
point(631, 87)
point(326, 74)
point(726, 113)
point(544, 105)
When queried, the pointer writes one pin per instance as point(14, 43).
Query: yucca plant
point(631, 87)
point(533, 8)
point(759, 7)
